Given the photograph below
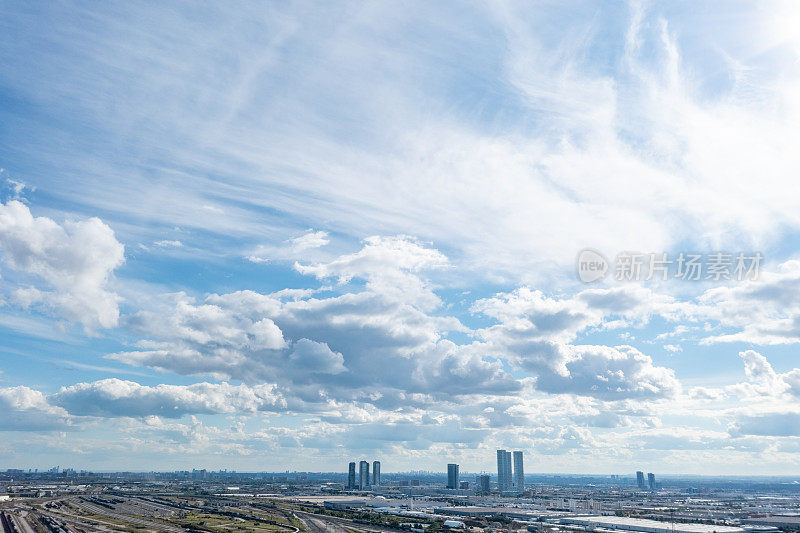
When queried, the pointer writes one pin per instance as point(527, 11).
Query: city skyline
point(443, 472)
point(201, 500)
point(286, 236)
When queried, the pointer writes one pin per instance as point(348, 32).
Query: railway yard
point(140, 513)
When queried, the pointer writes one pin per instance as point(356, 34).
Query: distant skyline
point(291, 235)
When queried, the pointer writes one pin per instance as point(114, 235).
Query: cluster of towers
point(505, 481)
point(651, 480)
point(510, 474)
point(363, 482)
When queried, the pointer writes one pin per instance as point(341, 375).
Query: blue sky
point(236, 235)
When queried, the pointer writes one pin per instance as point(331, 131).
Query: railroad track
point(96, 509)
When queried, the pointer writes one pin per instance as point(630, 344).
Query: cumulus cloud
point(209, 324)
point(75, 260)
point(25, 409)
point(534, 332)
point(317, 357)
point(327, 351)
point(529, 314)
point(376, 343)
point(607, 372)
point(343, 345)
point(115, 397)
point(763, 381)
point(390, 266)
point(643, 126)
point(761, 311)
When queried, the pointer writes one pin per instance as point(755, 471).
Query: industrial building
point(623, 523)
point(782, 522)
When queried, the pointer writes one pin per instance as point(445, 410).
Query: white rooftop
point(650, 526)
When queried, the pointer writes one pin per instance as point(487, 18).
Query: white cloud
point(168, 244)
point(763, 382)
point(17, 188)
point(75, 261)
point(780, 424)
point(390, 266)
point(385, 149)
point(292, 249)
point(316, 357)
point(534, 333)
point(115, 397)
point(764, 311)
point(336, 348)
point(310, 239)
point(563, 136)
point(607, 372)
point(25, 409)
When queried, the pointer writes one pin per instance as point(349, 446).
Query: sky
point(285, 236)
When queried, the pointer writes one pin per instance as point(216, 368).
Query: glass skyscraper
point(376, 473)
point(452, 476)
point(519, 472)
point(503, 471)
point(363, 475)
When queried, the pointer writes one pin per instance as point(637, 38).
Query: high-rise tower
point(376, 473)
point(503, 471)
point(363, 475)
point(482, 484)
point(452, 476)
point(519, 473)
point(351, 475)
